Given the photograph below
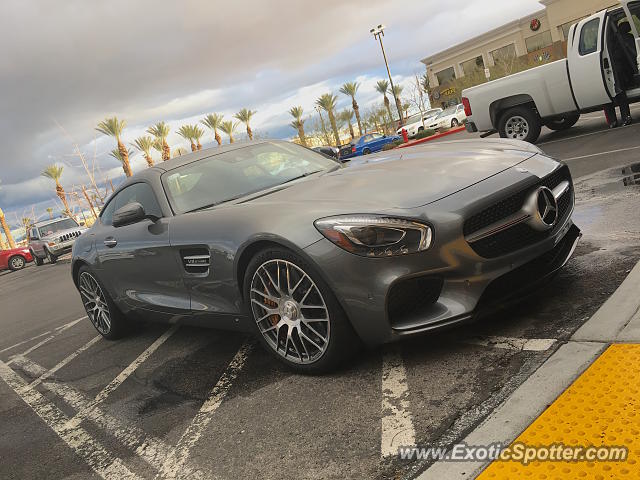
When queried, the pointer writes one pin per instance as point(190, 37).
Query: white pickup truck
point(557, 93)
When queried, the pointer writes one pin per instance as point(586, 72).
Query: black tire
point(342, 339)
point(454, 123)
point(420, 129)
point(520, 123)
point(17, 262)
point(366, 151)
point(564, 123)
point(51, 257)
point(39, 261)
point(118, 325)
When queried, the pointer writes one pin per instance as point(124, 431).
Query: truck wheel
point(37, 259)
point(51, 257)
point(564, 123)
point(520, 123)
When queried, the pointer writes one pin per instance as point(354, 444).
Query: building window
point(470, 66)
point(504, 54)
point(445, 76)
point(539, 41)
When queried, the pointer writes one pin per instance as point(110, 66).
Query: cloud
point(145, 61)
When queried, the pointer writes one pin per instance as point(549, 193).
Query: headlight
point(372, 236)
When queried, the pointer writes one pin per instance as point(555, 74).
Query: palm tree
point(177, 152)
point(115, 153)
point(229, 127)
point(298, 123)
point(328, 103)
point(161, 131)
point(26, 223)
point(350, 89)
point(50, 212)
point(7, 230)
point(186, 132)
point(113, 127)
point(346, 116)
point(54, 172)
point(213, 121)
point(197, 135)
point(244, 116)
point(145, 144)
point(383, 87)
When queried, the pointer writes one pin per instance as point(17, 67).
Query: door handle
point(110, 242)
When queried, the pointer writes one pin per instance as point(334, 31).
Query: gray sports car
point(315, 257)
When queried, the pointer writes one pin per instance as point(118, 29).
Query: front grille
point(412, 296)
point(521, 235)
point(68, 236)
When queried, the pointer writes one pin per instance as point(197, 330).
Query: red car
point(15, 258)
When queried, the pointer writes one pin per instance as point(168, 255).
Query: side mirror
point(130, 213)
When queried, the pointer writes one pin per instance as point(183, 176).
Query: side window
point(589, 37)
point(375, 136)
point(106, 216)
point(138, 192)
point(366, 138)
point(33, 233)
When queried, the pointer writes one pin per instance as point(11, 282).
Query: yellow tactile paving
point(601, 408)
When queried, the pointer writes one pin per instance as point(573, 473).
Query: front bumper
point(456, 283)
point(61, 248)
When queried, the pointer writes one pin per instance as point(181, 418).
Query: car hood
point(64, 232)
point(406, 178)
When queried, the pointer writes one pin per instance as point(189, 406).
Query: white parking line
point(151, 449)
point(609, 152)
point(58, 330)
point(174, 465)
point(116, 382)
point(25, 341)
point(397, 426)
point(511, 343)
point(92, 452)
point(599, 132)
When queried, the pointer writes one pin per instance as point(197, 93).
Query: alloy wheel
point(17, 263)
point(290, 311)
point(95, 303)
point(517, 127)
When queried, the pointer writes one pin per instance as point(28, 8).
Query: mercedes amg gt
point(317, 258)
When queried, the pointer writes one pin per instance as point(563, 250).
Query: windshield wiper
point(301, 177)
point(211, 205)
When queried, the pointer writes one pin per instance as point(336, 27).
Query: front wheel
point(51, 257)
point(103, 313)
point(17, 263)
point(563, 123)
point(520, 123)
point(297, 317)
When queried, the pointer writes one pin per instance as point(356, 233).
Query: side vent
point(196, 260)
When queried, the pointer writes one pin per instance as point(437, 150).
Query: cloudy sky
point(70, 63)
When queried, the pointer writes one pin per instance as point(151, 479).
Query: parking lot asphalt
point(182, 402)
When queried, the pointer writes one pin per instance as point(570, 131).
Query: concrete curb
point(432, 137)
point(617, 321)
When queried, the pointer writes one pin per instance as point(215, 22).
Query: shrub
point(424, 134)
point(389, 146)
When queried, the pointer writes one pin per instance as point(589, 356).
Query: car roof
point(44, 223)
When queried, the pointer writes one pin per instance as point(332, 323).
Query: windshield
point(432, 113)
point(238, 173)
point(448, 111)
point(56, 227)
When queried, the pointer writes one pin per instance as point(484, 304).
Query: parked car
point(555, 94)
point(52, 238)
point(315, 257)
point(15, 258)
point(417, 123)
point(366, 144)
point(333, 152)
point(451, 117)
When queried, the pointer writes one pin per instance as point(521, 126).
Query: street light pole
point(378, 33)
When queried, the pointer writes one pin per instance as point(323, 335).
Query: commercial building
point(536, 38)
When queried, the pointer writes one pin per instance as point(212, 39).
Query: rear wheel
point(520, 123)
point(563, 123)
point(454, 123)
point(17, 263)
point(103, 313)
point(37, 259)
point(297, 317)
point(366, 151)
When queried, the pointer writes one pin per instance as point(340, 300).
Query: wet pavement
point(208, 404)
